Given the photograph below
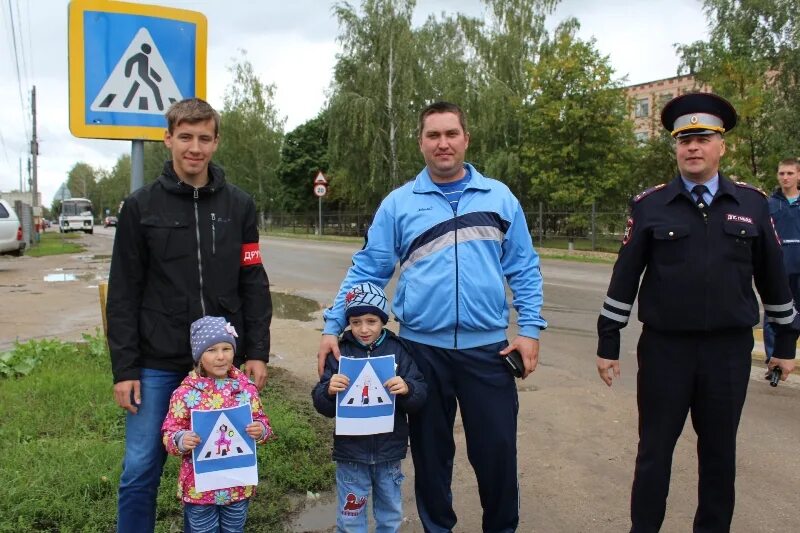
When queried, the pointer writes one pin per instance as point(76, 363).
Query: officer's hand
point(786, 366)
point(122, 395)
point(528, 348)
point(328, 344)
point(608, 369)
point(257, 371)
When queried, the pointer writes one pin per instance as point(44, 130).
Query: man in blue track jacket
point(457, 236)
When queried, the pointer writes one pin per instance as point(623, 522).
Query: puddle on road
point(293, 307)
point(316, 516)
point(69, 276)
point(60, 276)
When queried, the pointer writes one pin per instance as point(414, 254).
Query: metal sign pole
point(137, 164)
point(320, 216)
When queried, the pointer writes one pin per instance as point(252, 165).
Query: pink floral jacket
point(196, 392)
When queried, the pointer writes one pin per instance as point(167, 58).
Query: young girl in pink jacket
point(214, 383)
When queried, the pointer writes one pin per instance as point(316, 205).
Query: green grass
point(272, 232)
point(62, 438)
point(54, 243)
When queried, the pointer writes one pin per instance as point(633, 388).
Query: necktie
point(699, 190)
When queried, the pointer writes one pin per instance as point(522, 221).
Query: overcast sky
point(291, 44)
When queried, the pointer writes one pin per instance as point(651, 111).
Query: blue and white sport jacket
point(450, 292)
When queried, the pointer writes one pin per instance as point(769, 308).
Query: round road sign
point(320, 189)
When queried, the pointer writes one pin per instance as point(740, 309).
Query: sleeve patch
point(628, 231)
point(648, 191)
point(251, 255)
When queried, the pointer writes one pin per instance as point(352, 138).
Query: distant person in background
point(785, 212)
point(186, 246)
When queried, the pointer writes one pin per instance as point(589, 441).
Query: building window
point(642, 137)
point(663, 99)
point(642, 108)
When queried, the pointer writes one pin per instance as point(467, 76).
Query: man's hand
point(122, 395)
point(257, 371)
point(528, 348)
point(328, 344)
point(786, 366)
point(608, 369)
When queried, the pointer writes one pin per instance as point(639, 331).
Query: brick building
point(647, 99)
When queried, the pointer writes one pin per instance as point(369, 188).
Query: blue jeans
point(144, 452)
point(353, 484)
point(216, 518)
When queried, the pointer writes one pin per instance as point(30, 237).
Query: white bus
point(76, 215)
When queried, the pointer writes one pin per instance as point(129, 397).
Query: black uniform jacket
point(178, 255)
point(699, 266)
point(383, 447)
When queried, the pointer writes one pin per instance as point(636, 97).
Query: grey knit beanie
point(208, 331)
point(366, 298)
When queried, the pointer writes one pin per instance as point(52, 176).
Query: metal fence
point(549, 227)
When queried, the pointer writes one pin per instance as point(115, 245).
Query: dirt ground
point(576, 438)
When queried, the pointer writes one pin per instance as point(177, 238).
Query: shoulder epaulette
point(751, 187)
point(649, 191)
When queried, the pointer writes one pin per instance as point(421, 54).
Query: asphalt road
point(577, 438)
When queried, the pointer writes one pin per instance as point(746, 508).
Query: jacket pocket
point(164, 324)
point(739, 239)
point(169, 235)
point(670, 245)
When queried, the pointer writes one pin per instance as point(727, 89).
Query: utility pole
point(34, 150)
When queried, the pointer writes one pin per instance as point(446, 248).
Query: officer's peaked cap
point(698, 114)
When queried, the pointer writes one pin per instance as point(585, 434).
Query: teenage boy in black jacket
point(186, 246)
point(370, 462)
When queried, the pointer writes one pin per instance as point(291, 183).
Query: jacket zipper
point(213, 234)
point(455, 247)
point(196, 195)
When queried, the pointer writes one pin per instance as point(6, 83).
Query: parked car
point(109, 221)
point(11, 242)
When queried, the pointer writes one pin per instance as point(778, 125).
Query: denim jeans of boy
point(144, 452)
point(353, 484)
point(216, 518)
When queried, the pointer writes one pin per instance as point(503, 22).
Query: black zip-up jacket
point(383, 447)
point(178, 256)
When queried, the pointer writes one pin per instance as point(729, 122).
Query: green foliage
point(304, 153)
point(578, 143)
point(62, 438)
point(752, 58)
point(251, 133)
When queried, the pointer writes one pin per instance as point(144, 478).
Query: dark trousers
point(705, 374)
point(478, 381)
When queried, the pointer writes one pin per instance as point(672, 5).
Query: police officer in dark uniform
point(700, 240)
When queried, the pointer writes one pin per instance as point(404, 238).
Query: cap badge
point(693, 120)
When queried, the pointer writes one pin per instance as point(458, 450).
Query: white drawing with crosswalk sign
point(365, 407)
point(226, 457)
point(140, 82)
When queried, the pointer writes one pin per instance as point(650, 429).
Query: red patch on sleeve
point(251, 255)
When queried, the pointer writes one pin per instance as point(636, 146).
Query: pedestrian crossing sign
point(128, 63)
point(226, 456)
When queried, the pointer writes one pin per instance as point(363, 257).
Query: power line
point(25, 55)
point(16, 61)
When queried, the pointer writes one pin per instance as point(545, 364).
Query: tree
point(752, 58)
point(505, 49)
point(578, 142)
point(304, 153)
point(251, 134)
point(372, 109)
